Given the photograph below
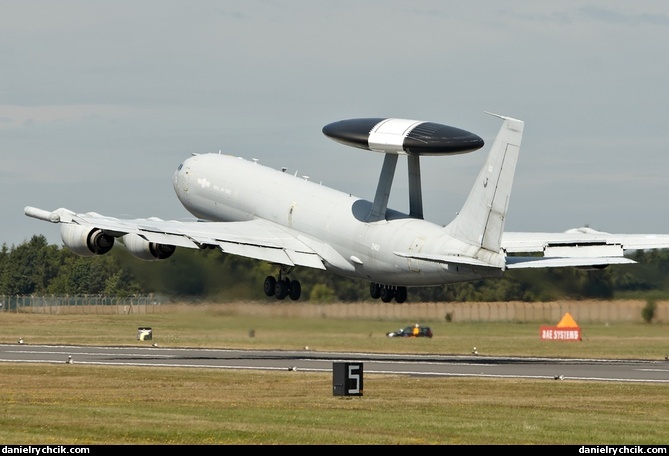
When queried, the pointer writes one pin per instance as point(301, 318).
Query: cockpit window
point(180, 166)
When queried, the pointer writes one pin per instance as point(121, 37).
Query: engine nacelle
point(86, 240)
point(145, 250)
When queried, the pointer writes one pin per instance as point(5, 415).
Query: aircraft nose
point(180, 179)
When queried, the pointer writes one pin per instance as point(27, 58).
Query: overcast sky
point(101, 100)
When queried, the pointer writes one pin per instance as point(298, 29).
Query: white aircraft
point(258, 212)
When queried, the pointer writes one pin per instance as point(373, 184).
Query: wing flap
point(307, 259)
point(273, 255)
point(178, 240)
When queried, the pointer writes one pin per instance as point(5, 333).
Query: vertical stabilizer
point(481, 220)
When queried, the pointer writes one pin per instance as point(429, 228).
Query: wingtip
point(41, 214)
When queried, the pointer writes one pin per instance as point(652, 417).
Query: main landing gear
point(388, 292)
point(282, 287)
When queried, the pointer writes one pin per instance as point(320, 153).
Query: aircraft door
point(416, 247)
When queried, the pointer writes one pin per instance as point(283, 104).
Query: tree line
point(36, 267)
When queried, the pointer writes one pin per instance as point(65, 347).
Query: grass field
point(77, 404)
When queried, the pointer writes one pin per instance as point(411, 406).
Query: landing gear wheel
point(281, 289)
point(270, 286)
point(387, 294)
point(401, 294)
point(375, 290)
point(295, 290)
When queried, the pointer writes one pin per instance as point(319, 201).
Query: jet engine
point(86, 240)
point(145, 250)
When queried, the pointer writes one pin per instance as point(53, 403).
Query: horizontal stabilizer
point(518, 262)
point(446, 259)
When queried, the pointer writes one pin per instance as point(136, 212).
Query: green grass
point(213, 326)
point(83, 404)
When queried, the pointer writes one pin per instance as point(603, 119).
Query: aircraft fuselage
point(223, 188)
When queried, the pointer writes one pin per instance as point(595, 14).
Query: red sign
point(560, 333)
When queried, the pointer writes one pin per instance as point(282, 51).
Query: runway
point(373, 363)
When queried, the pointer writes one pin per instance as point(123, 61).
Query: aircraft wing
point(259, 239)
point(578, 247)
